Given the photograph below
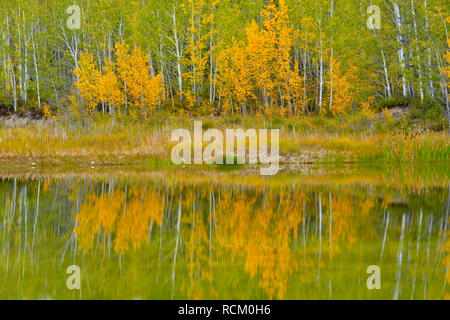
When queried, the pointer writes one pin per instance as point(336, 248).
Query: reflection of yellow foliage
point(257, 226)
point(198, 255)
point(133, 226)
point(108, 214)
point(446, 250)
point(264, 237)
point(342, 220)
point(347, 213)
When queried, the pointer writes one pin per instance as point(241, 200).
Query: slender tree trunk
point(401, 50)
point(429, 65)
point(179, 53)
point(320, 69)
point(331, 56)
point(36, 70)
point(419, 62)
point(386, 75)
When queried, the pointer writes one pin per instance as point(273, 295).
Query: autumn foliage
point(124, 83)
point(257, 74)
point(342, 83)
point(259, 69)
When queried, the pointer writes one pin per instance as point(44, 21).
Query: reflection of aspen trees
point(109, 215)
point(417, 254)
point(176, 245)
point(385, 234)
point(263, 231)
point(260, 232)
point(399, 260)
point(446, 244)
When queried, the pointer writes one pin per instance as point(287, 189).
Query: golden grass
point(119, 141)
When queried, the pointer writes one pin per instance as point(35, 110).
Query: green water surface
point(174, 233)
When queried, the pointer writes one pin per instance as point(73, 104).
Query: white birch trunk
point(419, 62)
point(401, 50)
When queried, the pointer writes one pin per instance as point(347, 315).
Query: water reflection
point(165, 239)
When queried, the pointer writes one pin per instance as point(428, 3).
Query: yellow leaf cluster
point(343, 88)
point(112, 215)
point(146, 91)
point(261, 67)
point(126, 81)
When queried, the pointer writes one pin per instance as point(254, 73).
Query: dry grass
point(122, 141)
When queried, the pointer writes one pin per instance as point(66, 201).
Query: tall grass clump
point(410, 147)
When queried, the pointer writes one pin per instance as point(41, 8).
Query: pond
point(193, 233)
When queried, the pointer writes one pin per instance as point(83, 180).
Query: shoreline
point(311, 140)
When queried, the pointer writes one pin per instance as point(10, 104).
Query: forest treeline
point(288, 57)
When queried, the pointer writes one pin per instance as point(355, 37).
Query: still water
point(172, 234)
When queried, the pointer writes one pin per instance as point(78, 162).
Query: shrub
point(394, 102)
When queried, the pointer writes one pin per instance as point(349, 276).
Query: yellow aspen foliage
point(129, 77)
point(108, 87)
point(294, 86)
point(260, 59)
point(367, 109)
point(88, 76)
point(197, 51)
point(387, 115)
point(447, 58)
point(146, 92)
point(261, 65)
point(234, 76)
point(46, 110)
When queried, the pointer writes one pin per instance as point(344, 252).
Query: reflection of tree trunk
point(417, 254)
point(215, 224)
point(430, 229)
point(446, 215)
point(176, 247)
point(161, 228)
point(36, 216)
point(444, 237)
point(304, 224)
point(320, 237)
point(24, 204)
point(385, 234)
point(331, 220)
point(210, 227)
point(400, 259)
point(443, 230)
